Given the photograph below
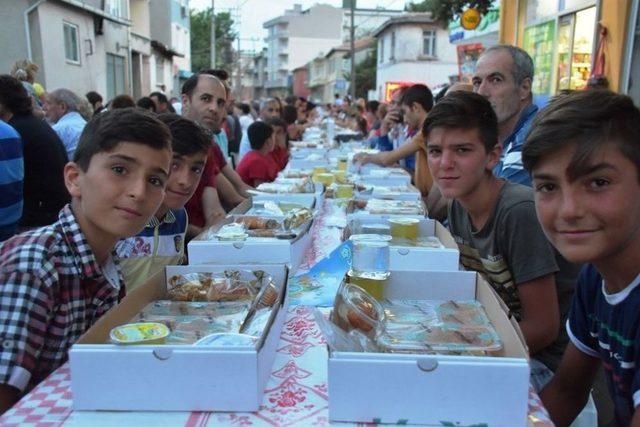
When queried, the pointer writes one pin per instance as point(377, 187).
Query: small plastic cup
point(324, 178)
point(404, 228)
point(319, 169)
point(344, 191)
point(343, 163)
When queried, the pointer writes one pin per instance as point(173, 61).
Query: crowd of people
point(544, 203)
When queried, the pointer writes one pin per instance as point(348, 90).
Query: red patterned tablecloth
point(296, 393)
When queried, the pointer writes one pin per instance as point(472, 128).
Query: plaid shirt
point(51, 291)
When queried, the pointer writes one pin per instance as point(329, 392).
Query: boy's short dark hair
point(258, 133)
point(161, 97)
point(464, 110)
point(13, 95)
point(93, 97)
point(106, 130)
point(587, 119)
point(187, 137)
point(146, 103)
point(420, 94)
point(277, 122)
point(244, 108)
point(122, 101)
point(289, 114)
point(372, 106)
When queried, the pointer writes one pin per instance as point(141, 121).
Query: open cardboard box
point(106, 376)
point(306, 201)
point(253, 250)
point(410, 193)
point(412, 258)
point(353, 212)
point(435, 389)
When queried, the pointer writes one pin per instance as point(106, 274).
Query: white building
point(413, 48)
point(365, 21)
point(297, 37)
point(80, 46)
point(171, 43)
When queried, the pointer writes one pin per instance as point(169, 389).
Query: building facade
point(412, 48)
point(80, 46)
point(297, 37)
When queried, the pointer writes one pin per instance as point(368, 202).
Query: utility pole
point(352, 84)
point(213, 34)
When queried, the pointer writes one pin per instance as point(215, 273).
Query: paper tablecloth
point(296, 393)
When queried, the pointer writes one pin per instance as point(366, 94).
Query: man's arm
point(232, 176)
point(8, 397)
point(540, 312)
point(211, 208)
point(389, 158)
point(227, 192)
point(568, 391)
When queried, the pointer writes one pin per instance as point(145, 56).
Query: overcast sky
point(254, 12)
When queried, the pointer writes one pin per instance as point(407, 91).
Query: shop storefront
point(562, 37)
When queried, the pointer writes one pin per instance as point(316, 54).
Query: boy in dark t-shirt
point(257, 166)
point(584, 155)
point(495, 225)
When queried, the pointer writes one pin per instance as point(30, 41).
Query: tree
point(444, 11)
point(365, 74)
point(201, 39)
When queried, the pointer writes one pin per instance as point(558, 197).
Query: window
point(116, 8)
point(71, 46)
point(392, 54)
point(159, 70)
point(115, 75)
point(429, 42)
point(381, 56)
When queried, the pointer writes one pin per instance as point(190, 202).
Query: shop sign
point(391, 87)
point(488, 23)
point(470, 19)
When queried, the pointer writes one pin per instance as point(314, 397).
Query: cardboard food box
point(353, 212)
point(415, 258)
point(408, 192)
point(307, 201)
point(106, 376)
point(253, 250)
point(435, 389)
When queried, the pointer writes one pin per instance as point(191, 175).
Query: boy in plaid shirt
point(56, 281)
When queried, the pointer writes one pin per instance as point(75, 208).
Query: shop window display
point(575, 45)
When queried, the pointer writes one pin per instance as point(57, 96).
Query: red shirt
point(208, 179)
point(255, 166)
point(218, 157)
point(280, 155)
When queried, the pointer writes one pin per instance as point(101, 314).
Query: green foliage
point(365, 74)
point(201, 39)
point(445, 11)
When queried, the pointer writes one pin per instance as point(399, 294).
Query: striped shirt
point(510, 166)
point(161, 243)
point(52, 290)
point(11, 176)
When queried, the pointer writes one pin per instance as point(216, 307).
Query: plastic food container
point(344, 191)
point(445, 339)
point(448, 327)
point(406, 228)
point(139, 333)
point(370, 255)
point(227, 340)
point(354, 308)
